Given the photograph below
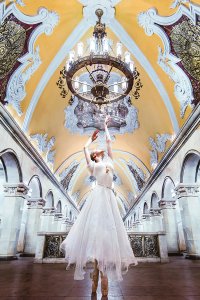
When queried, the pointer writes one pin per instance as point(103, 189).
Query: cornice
point(187, 129)
point(17, 134)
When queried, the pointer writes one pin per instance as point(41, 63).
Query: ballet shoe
point(104, 285)
point(95, 278)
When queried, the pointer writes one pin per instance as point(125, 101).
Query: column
point(65, 225)
point(156, 224)
point(11, 211)
point(35, 208)
point(170, 224)
point(189, 203)
point(47, 220)
point(57, 221)
point(146, 222)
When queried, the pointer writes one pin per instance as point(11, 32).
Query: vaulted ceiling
point(158, 109)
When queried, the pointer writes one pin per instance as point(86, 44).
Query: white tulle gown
point(98, 232)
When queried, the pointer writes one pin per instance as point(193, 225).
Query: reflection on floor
point(177, 280)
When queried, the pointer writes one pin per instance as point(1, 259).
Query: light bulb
point(124, 83)
point(127, 57)
point(132, 67)
point(115, 87)
point(80, 49)
point(71, 56)
point(105, 45)
point(76, 83)
point(84, 87)
point(67, 65)
point(92, 44)
point(119, 50)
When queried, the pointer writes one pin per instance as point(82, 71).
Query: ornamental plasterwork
point(84, 118)
point(150, 21)
point(181, 84)
point(68, 174)
point(158, 145)
point(20, 2)
point(45, 146)
point(30, 61)
point(176, 3)
point(89, 8)
point(137, 174)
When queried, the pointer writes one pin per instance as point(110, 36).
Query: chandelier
point(103, 75)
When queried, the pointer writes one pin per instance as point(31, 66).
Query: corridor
point(177, 280)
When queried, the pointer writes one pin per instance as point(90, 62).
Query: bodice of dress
point(103, 172)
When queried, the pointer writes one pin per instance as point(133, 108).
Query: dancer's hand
point(107, 119)
point(95, 135)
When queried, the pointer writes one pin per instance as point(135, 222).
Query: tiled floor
point(177, 280)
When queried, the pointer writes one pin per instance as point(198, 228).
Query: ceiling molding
point(151, 21)
point(89, 8)
point(30, 61)
point(124, 37)
point(70, 42)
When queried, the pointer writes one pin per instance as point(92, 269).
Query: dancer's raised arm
point(108, 138)
point(86, 151)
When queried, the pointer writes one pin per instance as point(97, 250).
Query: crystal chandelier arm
point(117, 93)
point(81, 82)
point(108, 75)
point(117, 83)
point(91, 77)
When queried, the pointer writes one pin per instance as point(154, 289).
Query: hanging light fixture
point(102, 76)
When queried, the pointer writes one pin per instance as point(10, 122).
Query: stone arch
point(190, 167)
point(12, 168)
point(134, 217)
point(145, 208)
point(49, 199)
point(154, 200)
point(59, 207)
point(70, 215)
point(168, 188)
point(35, 187)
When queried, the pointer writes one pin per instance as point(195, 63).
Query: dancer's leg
point(104, 284)
point(95, 277)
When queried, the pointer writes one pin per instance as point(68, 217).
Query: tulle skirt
point(99, 233)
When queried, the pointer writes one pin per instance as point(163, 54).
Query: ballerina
point(98, 234)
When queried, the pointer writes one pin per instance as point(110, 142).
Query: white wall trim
point(70, 42)
point(119, 31)
point(31, 61)
point(150, 21)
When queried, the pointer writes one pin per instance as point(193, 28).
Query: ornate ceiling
point(163, 38)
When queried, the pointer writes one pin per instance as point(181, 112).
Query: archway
point(35, 187)
point(154, 200)
point(49, 200)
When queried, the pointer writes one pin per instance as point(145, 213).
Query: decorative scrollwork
point(12, 42)
point(151, 248)
point(52, 246)
point(144, 245)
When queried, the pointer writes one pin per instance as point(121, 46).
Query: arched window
point(154, 200)
point(168, 188)
point(49, 200)
point(190, 168)
point(145, 208)
point(35, 187)
point(59, 207)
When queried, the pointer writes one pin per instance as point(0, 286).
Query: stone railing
point(147, 247)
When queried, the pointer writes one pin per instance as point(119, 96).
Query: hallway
point(177, 280)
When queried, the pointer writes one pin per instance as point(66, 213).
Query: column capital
point(36, 203)
point(15, 190)
point(146, 216)
point(155, 212)
point(167, 204)
point(187, 190)
point(48, 211)
point(58, 216)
